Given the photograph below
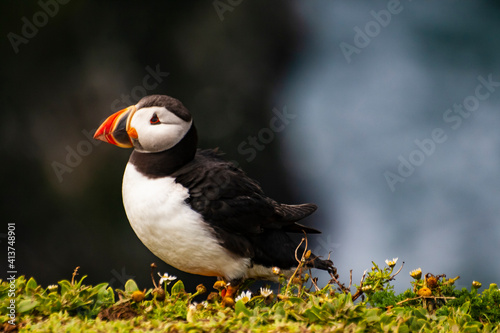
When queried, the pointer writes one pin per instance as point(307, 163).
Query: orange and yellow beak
point(117, 130)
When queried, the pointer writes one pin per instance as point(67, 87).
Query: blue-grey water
point(421, 94)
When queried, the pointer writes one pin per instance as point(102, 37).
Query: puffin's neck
point(164, 163)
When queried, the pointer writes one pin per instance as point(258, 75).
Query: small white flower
point(391, 263)
point(52, 287)
point(197, 306)
point(166, 278)
point(244, 297)
point(367, 288)
point(266, 292)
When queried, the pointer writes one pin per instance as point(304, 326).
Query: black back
point(243, 219)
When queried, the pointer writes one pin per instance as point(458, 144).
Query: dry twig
point(424, 297)
point(300, 261)
point(75, 273)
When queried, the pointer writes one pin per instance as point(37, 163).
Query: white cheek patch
point(162, 137)
point(154, 138)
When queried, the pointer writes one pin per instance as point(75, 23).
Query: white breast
point(174, 232)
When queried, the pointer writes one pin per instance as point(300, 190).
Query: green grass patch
point(432, 304)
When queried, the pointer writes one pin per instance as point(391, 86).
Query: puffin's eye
point(154, 119)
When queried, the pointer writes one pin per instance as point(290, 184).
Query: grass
point(432, 304)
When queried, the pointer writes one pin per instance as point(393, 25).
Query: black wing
point(234, 204)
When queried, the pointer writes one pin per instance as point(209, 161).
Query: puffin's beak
point(116, 129)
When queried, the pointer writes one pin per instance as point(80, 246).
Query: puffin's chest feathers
point(167, 225)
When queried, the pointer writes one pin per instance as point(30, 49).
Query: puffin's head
point(155, 124)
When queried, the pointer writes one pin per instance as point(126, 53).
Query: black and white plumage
point(191, 208)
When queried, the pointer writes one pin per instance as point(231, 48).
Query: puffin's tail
point(323, 264)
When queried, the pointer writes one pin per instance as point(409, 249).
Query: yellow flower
point(476, 284)
point(138, 295)
point(431, 281)
point(424, 292)
point(416, 273)
point(391, 263)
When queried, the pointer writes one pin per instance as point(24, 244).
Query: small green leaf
point(280, 311)
point(240, 307)
point(295, 300)
point(31, 285)
point(314, 314)
point(178, 288)
point(131, 286)
point(419, 313)
point(403, 329)
point(111, 295)
point(372, 315)
point(26, 305)
point(79, 283)
point(296, 316)
point(65, 286)
point(465, 307)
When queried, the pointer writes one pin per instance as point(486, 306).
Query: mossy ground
point(300, 306)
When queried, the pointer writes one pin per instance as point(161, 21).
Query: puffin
point(195, 210)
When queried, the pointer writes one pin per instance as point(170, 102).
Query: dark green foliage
point(72, 306)
point(484, 307)
point(383, 299)
point(72, 297)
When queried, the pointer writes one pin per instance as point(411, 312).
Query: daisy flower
point(52, 287)
point(416, 273)
point(266, 292)
point(367, 288)
point(391, 263)
point(244, 297)
point(166, 278)
point(192, 306)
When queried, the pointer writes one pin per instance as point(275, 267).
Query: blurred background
point(387, 112)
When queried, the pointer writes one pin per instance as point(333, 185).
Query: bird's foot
point(228, 295)
point(230, 291)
